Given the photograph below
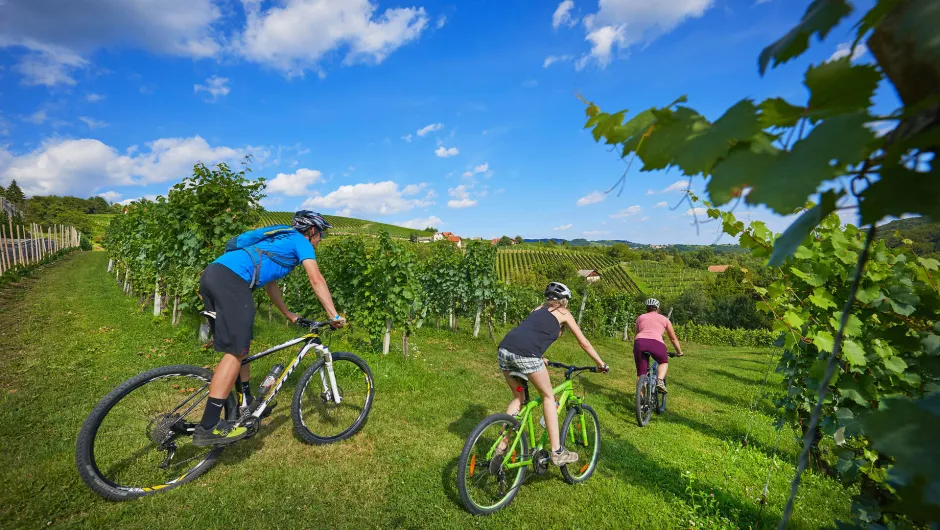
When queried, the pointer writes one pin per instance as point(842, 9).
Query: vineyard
point(347, 225)
point(514, 264)
point(664, 280)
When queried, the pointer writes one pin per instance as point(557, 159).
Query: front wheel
point(581, 433)
point(318, 418)
point(484, 481)
point(644, 407)
point(138, 438)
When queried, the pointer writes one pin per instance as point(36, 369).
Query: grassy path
point(67, 336)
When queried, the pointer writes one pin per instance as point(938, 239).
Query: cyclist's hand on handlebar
point(338, 321)
point(292, 317)
point(603, 368)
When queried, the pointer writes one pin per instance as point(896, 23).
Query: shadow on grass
point(247, 447)
point(631, 465)
point(736, 436)
point(469, 419)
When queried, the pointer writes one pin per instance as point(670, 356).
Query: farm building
point(589, 274)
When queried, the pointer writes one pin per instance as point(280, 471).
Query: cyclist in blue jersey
point(226, 287)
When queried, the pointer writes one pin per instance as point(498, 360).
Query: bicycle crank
point(540, 462)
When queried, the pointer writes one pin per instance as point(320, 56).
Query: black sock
point(212, 414)
point(246, 390)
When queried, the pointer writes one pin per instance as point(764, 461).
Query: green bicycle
point(488, 480)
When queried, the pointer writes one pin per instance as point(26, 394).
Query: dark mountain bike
point(648, 398)
point(138, 439)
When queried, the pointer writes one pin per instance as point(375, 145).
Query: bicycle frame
point(566, 391)
point(312, 343)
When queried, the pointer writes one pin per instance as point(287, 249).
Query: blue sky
point(461, 115)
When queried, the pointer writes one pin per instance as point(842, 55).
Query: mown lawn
point(67, 337)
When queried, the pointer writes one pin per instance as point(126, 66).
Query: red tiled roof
point(718, 268)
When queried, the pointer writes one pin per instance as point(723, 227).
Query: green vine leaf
point(919, 23)
point(901, 191)
point(822, 298)
point(672, 128)
point(797, 232)
point(776, 112)
point(838, 87)
point(820, 17)
point(896, 365)
point(824, 341)
point(740, 122)
point(853, 353)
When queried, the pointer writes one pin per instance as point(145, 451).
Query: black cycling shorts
point(229, 296)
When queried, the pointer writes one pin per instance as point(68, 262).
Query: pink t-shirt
point(651, 326)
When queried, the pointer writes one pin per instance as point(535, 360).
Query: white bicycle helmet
point(652, 302)
point(557, 291)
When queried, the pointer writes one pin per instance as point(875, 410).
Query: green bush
point(717, 336)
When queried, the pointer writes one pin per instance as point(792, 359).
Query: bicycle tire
point(589, 468)
point(300, 426)
point(643, 405)
point(85, 444)
point(660, 402)
point(462, 462)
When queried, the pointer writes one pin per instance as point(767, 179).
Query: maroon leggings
point(653, 346)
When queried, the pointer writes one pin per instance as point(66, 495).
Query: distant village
point(440, 236)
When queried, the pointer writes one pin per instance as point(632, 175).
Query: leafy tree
point(622, 252)
point(693, 305)
point(504, 242)
point(430, 229)
point(519, 240)
point(413, 237)
point(14, 194)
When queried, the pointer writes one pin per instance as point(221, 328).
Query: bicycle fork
point(328, 379)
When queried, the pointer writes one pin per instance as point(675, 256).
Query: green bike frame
point(566, 391)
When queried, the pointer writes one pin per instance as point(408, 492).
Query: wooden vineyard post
point(19, 244)
point(3, 251)
point(156, 297)
point(583, 301)
point(404, 342)
point(386, 341)
point(12, 242)
point(669, 316)
point(476, 321)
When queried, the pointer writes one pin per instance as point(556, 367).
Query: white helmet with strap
point(652, 302)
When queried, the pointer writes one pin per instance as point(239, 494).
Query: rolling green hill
point(924, 234)
point(347, 225)
point(655, 278)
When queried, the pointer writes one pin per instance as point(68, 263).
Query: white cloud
point(56, 36)
point(845, 48)
point(551, 59)
point(563, 227)
point(297, 35)
point(679, 185)
point(4, 131)
point(94, 98)
point(443, 152)
point(592, 198)
point(294, 184)
point(414, 189)
point(461, 197)
point(110, 196)
point(215, 86)
point(407, 138)
point(423, 222)
point(562, 14)
point(441, 20)
point(380, 198)
point(661, 204)
point(882, 127)
point(37, 117)
point(644, 218)
point(698, 211)
point(429, 129)
point(626, 22)
point(125, 202)
point(602, 43)
point(79, 167)
point(595, 232)
point(627, 212)
point(482, 168)
point(530, 83)
point(93, 123)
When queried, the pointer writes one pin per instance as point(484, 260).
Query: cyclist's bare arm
point(672, 337)
point(318, 283)
point(568, 319)
point(274, 293)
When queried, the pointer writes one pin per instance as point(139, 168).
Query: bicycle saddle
point(520, 376)
point(208, 314)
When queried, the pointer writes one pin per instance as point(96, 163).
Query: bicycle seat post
point(523, 385)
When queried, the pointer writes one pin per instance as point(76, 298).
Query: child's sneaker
point(563, 457)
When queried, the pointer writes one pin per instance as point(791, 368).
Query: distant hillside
point(718, 249)
point(347, 225)
point(924, 234)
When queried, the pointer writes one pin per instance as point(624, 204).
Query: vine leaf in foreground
point(900, 191)
point(908, 431)
point(839, 86)
point(793, 236)
point(820, 17)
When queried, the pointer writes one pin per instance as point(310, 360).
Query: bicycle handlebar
point(570, 369)
point(312, 324)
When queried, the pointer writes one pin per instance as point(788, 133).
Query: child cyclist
point(521, 350)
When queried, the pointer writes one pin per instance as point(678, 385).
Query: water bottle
point(269, 380)
point(542, 421)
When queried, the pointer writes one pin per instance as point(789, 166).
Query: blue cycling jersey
point(288, 248)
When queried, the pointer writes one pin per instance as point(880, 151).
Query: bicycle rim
point(485, 483)
point(581, 433)
point(643, 405)
point(317, 416)
point(138, 439)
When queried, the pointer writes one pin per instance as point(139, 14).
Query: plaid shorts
point(511, 362)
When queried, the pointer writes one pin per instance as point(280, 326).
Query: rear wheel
point(318, 418)
point(138, 438)
point(581, 433)
point(484, 483)
point(643, 400)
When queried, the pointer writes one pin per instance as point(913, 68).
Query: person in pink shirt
point(649, 338)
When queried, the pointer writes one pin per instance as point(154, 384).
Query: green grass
point(348, 225)
point(68, 337)
point(656, 278)
point(99, 224)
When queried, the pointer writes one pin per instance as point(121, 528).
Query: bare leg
point(245, 372)
point(544, 385)
point(224, 376)
point(661, 370)
point(514, 406)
